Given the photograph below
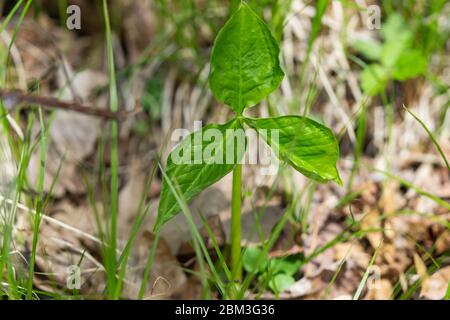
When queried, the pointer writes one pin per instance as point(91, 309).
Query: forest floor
point(384, 234)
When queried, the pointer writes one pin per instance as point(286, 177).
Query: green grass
point(39, 202)
point(110, 254)
point(180, 45)
point(363, 282)
point(15, 288)
point(432, 138)
point(199, 245)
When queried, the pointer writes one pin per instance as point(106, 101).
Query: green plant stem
point(236, 266)
point(359, 147)
point(39, 202)
point(114, 191)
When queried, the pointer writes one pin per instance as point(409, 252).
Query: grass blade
point(114, 106)
point(430, 134)
point(362, 284)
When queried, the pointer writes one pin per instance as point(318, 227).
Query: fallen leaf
point(434, 287)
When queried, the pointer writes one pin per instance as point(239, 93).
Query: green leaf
point(201, 159)
point(371, 49)
point(394, 28)
point(392, 50)
point(289, 265)
point(280, 282)
point(321, 8)
point(374, 79)
point(398, 38)
point(245, 67)
point(255, 260)
point(410, 64)
point(151, 100)
point(305, 144)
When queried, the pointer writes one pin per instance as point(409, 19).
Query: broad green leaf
point(374, 78)
point(370, 48)
point(201, 159)
point(410, 64)
point(394, 28)
point(305, 144)
point(289, 265)
point(245, 67)
point(255, 259)
point(392, 50)
point(280, 282)
point(397, 39)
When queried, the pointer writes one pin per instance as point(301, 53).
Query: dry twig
point(13, 97)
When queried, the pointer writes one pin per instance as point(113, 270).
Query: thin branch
point(13, 97)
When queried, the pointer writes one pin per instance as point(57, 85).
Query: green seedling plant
point(276, 273)
point(245, 69)
point(394, 59)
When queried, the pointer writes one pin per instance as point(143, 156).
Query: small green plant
point(245, 69)
point(396, 58)
point(277, 273)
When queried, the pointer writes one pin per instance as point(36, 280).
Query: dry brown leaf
point(434, 287)
point(59, 249)
point(380, 290)
point(421, 268)
point(216, 227)
point(372, 221)
point(72, 137)
point(167, 277)
point(443, 242)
